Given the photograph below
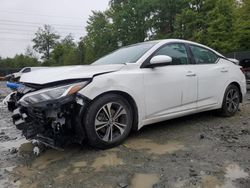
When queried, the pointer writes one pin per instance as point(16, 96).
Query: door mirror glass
point(161, 60)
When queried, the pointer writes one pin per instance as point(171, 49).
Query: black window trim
point(146, 63)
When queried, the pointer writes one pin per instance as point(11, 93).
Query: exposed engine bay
point(53, 115)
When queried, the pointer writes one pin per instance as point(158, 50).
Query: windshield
point(129, 54)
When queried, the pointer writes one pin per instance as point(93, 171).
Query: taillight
point(243, 70)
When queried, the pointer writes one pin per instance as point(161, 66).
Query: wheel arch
point(238, 86)
point(130, 100)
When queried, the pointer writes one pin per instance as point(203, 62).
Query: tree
point(220, 30)
point(68, 41)
point(220, 24)
point(45, 40)
point(130, 20)
point(81, 51)
point(19, 61)
point(30, 52)
point(210, 22)
point(192, 22)
point(65, 52)
point(165, 16)
point(100, 38)
point(242, 26)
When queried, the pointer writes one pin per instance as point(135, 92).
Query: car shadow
point(174, 126)
point(176, 123)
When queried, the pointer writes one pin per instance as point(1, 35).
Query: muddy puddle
point(26, 174)
point(79, 164)
point(16, 143)
point(211, 182)
point(154, 148)
point(232, 173)
point(144, 180)
point(48, 158)
point(75, 166)
point(108, 160)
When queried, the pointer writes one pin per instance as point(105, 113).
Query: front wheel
point(108, 121)
point(231, 101)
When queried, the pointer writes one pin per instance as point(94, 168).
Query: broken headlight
point(52, 93)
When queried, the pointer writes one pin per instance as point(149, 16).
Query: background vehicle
point(16, 76)
point(245, 63)
point(132, 87)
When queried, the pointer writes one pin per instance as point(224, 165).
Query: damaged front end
point(50, 114)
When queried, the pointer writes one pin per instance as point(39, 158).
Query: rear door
point(173, 88)
point(212, 73)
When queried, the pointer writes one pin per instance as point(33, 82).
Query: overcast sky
point(20, 19)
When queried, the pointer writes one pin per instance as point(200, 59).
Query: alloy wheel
point(232, 100)
point(111, 122)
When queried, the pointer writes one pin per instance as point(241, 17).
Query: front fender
point(130, 83)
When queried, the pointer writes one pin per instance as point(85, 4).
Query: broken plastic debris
point(35, 142)
point(36, 151)
point(13, 86)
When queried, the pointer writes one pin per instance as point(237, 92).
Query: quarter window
point(203, 55)
point(178, 53)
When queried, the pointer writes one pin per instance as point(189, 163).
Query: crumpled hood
point(55, 74)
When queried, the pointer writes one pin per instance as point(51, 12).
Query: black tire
point(230, 106)
point(97, 138)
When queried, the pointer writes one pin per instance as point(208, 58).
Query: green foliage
point(192, 22)
point(64, 53)
point(19, 61)
point(209, 22)
point(164, 17)
point(221, 24)
point(100, 39)
point(44, 41)
point(242, 26)
point(130, 20)
point(220, 30)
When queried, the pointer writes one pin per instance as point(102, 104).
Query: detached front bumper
point(55, 123)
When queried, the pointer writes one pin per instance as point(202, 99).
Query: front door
point(172, 88)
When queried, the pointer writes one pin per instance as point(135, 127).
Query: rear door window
point(203, 55)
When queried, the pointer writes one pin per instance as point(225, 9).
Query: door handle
point(190, 74)
point(224, 70)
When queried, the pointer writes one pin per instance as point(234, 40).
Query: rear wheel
point(231, 101)
point(108, 121)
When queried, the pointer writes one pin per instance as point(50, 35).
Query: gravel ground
point(201, 150)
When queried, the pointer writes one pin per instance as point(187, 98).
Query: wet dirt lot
point(203, 151)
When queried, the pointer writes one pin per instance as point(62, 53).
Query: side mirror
point(160, 60)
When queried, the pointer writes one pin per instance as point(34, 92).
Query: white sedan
point(132, 87)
